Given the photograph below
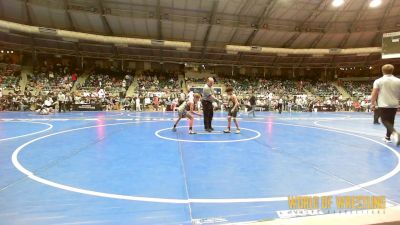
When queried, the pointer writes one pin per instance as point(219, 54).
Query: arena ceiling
point(209, 25)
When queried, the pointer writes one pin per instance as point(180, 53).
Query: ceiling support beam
point(159, 22)
point(314, 14)
point(1, 9)
point(245, 6)
point(106, 25)
point(66, 7)
point(28, 14)
point(210, 24)
point(29, 18)
point(265, 14)
point(71, 22)
point(376, 41)
point(159, 30)
point(361, 11)
point(328, 24)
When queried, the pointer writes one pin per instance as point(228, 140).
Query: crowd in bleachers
point(45, 81)
point(358, 88)
point(104, 87)
point(195, 80)
point(268, 92)
point(157, 90)
point(158, 81)
point(9, 76)
point(322, 89)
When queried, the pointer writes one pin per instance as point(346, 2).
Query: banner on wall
point(199, 90)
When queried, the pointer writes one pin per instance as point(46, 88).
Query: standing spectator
point(190, 97)
point(386, 95)
point(142, 102)
point(280, 104)
point(101, 93)
point(156, 102)
point(74, 78)
point(253, 104)
point(68, 102)
point(182, 97)
point(357, 106)
point(128, 79)
point(61, 102)
point(349, 103)
point(124, 84)
point(138, 104)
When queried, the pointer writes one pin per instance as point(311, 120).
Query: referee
point(386, 93)
point(207, 100)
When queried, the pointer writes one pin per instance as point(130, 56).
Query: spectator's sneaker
point(192, 132)
point(209, 130)
point(212, 129)
point(227, 131)
point(396, 138)
point(377, 123)
point(237, 131)
point(174, 129)
point(386, 140)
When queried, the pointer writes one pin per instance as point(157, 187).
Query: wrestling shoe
point(237, 131)
point(386, 140)
point(227, 131)
point(192, 132)
point(396, 138)
point(174, 129)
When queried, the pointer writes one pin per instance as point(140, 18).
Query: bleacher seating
point(9, 76)
point(358, 88)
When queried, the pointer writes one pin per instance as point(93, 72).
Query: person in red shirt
point(357, 106)
point(74, 78)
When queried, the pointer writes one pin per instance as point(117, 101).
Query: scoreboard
point(391, 45)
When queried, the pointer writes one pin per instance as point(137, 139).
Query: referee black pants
point(61, 106)
point(280, 108)
point(208, 111)
point(387, 117)
point(377, 114)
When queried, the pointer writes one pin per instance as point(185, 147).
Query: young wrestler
point(186, 109)
point(233, 108)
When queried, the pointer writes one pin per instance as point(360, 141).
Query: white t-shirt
point(182, 96)
point(61, 97)
point(48, 102)
point(101, 93)
point(389, 91)
point(191, 96)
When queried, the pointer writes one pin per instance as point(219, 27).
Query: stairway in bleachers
point(134, 86)
point(25, 70)
point(181, 78)
point(80, 81)
point(341, 90)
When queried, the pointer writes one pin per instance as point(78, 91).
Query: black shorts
point(232, 114)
